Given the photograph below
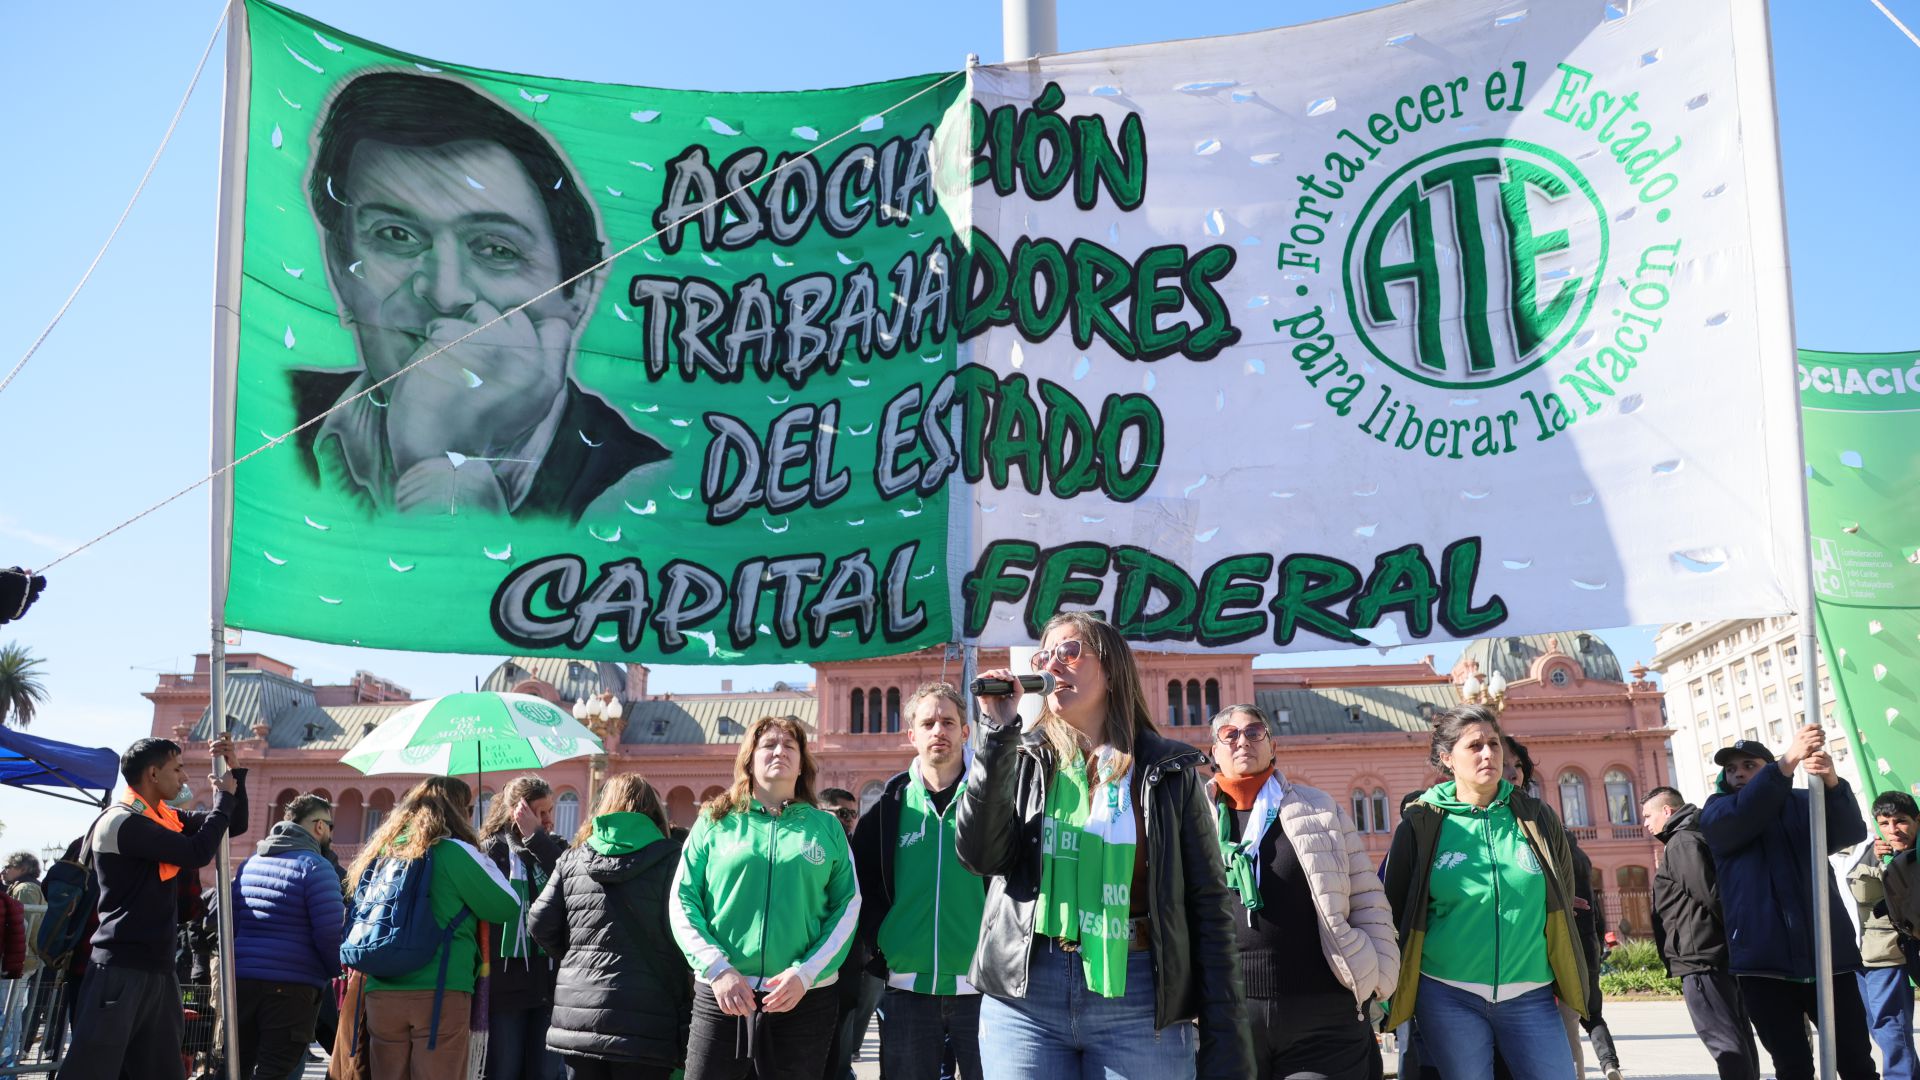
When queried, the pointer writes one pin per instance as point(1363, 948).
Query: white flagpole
point(226, 347)
point(1753, 59)
point(1028, 28)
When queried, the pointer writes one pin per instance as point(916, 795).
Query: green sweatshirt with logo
point(759, 894)
point(1487, 920)
point(929, 934)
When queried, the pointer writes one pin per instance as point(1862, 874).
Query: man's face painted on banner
point(455, 233)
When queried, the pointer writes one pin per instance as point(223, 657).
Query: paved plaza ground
point(1653, 1037)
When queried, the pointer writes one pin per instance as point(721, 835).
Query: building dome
point(572, 679)
point(1513, 657)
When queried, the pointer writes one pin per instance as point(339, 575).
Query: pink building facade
point(1359, 732)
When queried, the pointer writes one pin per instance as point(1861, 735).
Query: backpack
point(73, 892)
point(391, 930)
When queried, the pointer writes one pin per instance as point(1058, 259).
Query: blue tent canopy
point(75, 772)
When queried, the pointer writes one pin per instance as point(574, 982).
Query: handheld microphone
point(1032, 684)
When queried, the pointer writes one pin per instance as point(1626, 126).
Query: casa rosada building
point(1597, 734)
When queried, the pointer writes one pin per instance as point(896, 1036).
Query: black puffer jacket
point(1687, 923)
point(1195, 961)
point(624, 991)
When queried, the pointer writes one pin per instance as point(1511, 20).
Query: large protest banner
point(1431, 322)
point(607, 471)
point(1450, 313)
point(1863, 496)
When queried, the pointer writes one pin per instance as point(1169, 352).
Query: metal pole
point(1753, 53)
point(229, 237)
point(1028, 28)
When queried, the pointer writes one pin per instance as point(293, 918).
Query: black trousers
point(127, 1020)
point(588, 1068)
point(275, 1021)
point(1601, 1036)
point(767, 1046)
point(1719, 1014)
point(1780, 1010)
point(1311, 1038)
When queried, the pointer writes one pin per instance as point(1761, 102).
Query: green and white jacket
point(920, 907)
point(760, 894)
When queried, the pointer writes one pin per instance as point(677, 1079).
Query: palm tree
point(20, 688)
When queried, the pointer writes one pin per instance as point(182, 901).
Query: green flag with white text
point(1861, 413)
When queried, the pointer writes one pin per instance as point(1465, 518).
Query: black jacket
point(624, 991)
point(1687, 925)
point(1195, 961)
point(874, 842)
point(1759, 837)
point(521, 982)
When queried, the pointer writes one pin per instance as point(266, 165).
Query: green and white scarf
point(1086, 872)
point(516, 942)
point(1242, 856)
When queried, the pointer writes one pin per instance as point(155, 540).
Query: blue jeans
point(517, 1045)
point(1889, 1000)
point(1459, 1031)
point(1063, 1031)
point(916, 1029)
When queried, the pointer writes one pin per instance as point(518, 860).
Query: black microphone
point(1032, 684)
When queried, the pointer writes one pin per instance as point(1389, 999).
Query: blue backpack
point(392, 931)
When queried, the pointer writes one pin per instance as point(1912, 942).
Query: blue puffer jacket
point(1759, 837)
point(287, 911)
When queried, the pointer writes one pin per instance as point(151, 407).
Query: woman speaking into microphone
point(1105, 948)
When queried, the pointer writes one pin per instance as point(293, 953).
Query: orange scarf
point(162, 815)
point(1241, 791)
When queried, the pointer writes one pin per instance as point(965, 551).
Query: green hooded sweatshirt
point(623, 833)
point(1487, 921)
point(760, 894)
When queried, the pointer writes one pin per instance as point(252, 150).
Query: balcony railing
point(1583, 832)
point(1629, 832)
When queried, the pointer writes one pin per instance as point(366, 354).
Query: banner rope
point(503, 316)
point(1895, 20)
point(142, 186)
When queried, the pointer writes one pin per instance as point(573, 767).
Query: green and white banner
point(1862, 417)
point(1423, 323)
point(673, 457)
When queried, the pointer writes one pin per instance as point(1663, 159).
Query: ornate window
point(1380, 810)
point(1360, 810)
point(859, 724)
point(1195, 716)
point(1213, 699)
point(1173, 703)
point(1573, 799)
point(1620, 801)
point(874, 704)
point(1559, 677)
point(566, 815)
point(893, 709)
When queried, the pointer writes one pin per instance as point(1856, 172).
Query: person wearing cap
point(1756, 826)
point(1311, 919)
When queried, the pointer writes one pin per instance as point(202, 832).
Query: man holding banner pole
point(1759, 832)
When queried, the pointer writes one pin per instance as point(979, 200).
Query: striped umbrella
point(482, 732)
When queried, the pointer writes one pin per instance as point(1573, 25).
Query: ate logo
point(1447, 860)
point(1476, 263)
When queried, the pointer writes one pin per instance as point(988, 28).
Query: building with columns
point(1359, 731)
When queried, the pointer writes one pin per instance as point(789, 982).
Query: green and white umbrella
point(461, 734)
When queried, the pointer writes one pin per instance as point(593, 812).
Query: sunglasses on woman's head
point(1067, 652)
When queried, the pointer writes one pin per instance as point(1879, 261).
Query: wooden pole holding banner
point(226, 351)
point(1753, 59)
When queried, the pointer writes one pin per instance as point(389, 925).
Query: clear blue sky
point(111, 414)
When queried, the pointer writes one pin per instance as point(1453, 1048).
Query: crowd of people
point(1072, 896)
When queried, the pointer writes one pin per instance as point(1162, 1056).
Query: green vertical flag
point(1862, 419)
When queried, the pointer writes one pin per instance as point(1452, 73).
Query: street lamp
point(1490, 692)
point(601, 713)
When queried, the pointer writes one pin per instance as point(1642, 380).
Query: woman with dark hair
point(624, 997)
point(518, 836)
point(414, 1031)
point(765, 908)
point(1480, 877)
point(1106, 934)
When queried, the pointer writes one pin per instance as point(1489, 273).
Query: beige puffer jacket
point(1357, 935)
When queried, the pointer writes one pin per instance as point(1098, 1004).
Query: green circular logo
point(560, 745)
point(539, 712)
point(419, 755)
point(1476, 263)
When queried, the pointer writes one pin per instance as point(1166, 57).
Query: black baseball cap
point(1743, 748)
